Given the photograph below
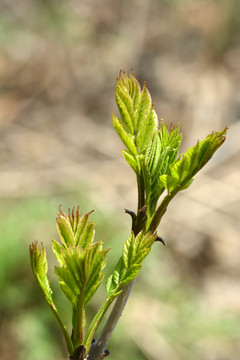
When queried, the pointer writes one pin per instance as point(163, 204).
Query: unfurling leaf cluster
point(80, 272)
point(139, 119)
point(81, 261)
point(152, 152)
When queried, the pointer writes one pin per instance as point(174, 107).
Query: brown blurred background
point(58, 65)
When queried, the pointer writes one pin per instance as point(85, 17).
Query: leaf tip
point(60, 211)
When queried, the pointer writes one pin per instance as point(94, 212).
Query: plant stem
point(80, 320)
point(95, 323)
point(74, 326)
point(98, 347)
point(161, 211)
point(141, 194)
point(64, 330)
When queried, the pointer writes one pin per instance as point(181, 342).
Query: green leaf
point(39, 267)
point(69, 293)
point(134, 245)
point(209, 146)
point(57, 249)
point(128, 251)
point(152, 167)
point(161, 152)
point(170, 139)
point(148, 127)
point(168, 182)
point(74, 230)
point(65, 229)
point(109, 285)
point(86, 237)
point(125, 107)
point(126, 137)
point(132, 161)
point(184, 169)
point(113, 283)
point(81, 230)
point(196, 157)
point(81, 272)
point(92, 287)
point(134, 91)
point(153, 154)
point(74, 218)
point(68, 284)
point(144, 107)
point(131, 274)
point(180, 170)
point(138, 118)
point(140, 256)
point(135, 249)
point(119, 272)
point(96, 265)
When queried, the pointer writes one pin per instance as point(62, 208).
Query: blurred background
point(58, 64)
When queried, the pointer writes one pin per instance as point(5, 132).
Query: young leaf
point(113, 284)
point(39, 267)
point(161, 152)
point(134, 91)
point(138, 118)
point(180, 170)
point(65, 230)
point(128, 251)
point(144, 107)
point(81, 271)
point(196, 157)
point(96, 265)
point(130, 274)
point(109, 285)
point(86, 237)
point(126, 137)
point(168, 182)
point(69, 293)
point(57, 249)
point(170, 140)
point(74, 230)
point(149, 124)
point(84, 233)
point(135, 249)
point(184, 169)
point(125, 107)
point(132, 161)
